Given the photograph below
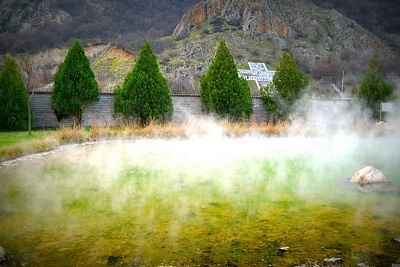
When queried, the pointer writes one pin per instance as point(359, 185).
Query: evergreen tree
point(287, 86)
point(74, 85)
point(373, 89)
point(13, 97)
point(223, 91)
point(144, 95)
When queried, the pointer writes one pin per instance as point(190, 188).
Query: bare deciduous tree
point(27, 70)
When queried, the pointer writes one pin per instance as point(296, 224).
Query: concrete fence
point(102, 112)
point(328, 112)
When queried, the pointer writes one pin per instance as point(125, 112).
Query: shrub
point(13, 97)
point(222, 91)
point(74, 85)
point(144, 95)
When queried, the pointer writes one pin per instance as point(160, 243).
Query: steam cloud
point(311, 160)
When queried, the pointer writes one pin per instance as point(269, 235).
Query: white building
point(258, 72)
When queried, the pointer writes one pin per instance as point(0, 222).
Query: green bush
point(222, 91)
point(13, 97)
point(74, 85)
point(373, 89)
point(287, 87)
point(144, 95)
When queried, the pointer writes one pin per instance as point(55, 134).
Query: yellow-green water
point(201, 202)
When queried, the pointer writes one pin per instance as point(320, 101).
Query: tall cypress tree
point(287, 87)
point(144, 95)
point(373, 89)
point(74, 85)
point(13, 97)
point(223, 91)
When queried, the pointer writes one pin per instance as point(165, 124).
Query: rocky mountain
point(324, 42)
point(379, 17)
point(39, 24)
point(299, 26)
point(328, 46)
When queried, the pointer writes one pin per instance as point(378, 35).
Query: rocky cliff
point(297, 25)
point(325, 43)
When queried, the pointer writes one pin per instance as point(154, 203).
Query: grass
point(17, 144)
point(11, 138)
point(169, 130)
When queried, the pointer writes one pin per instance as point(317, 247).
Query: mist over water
point(206, 199)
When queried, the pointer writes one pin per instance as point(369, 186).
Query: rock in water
point(396, 240)
point(333, 260)
point(2, 254)
point(368, 175)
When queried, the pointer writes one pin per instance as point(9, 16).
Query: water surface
point(201, 201)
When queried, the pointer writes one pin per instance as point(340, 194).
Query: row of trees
point(144, 95)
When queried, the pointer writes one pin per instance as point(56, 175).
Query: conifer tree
point(287, 87)
point(74, 86)
point(13, 97)
point(222, 91)
point(373, 89)
point(144, 95)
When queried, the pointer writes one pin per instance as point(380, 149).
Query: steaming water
point(202, 201)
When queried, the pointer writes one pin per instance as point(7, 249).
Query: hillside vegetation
point(109, 63)
point(36, 25)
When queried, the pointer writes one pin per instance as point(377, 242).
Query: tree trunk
point(79, 118)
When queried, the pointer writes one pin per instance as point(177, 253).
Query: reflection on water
point(206, 201)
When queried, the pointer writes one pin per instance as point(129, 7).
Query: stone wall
point(98, 113)
point(102, 111)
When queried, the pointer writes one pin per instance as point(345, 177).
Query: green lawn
point(17, 144)
point(11, 138)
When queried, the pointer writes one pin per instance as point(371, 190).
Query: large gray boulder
point(369, 180)
point(368, 175)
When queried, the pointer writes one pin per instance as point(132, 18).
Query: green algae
point(67, 211)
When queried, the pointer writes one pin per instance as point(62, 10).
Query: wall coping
point(173, 95)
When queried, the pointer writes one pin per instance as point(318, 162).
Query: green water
point(201, 202)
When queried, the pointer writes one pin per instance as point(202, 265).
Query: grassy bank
point(12, 138)
point(17, 144)
point(169, 130)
